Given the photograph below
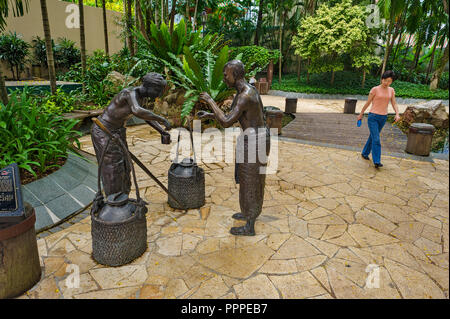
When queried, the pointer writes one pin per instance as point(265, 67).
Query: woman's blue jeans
point(376, 123)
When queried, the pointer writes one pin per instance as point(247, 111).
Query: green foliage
point(14, 51)
point(59, 103)
point(159, 46)
point(195, 79)
point(65, 53)
point(33, 139)
point(255, 58)
point(350, 83)
point(333, 32)
point(97, 88)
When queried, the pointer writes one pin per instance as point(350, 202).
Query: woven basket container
point(117, 244)
point(188, 190)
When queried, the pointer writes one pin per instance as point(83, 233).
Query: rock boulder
point(431, 112)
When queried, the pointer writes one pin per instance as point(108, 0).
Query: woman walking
point(379, 97)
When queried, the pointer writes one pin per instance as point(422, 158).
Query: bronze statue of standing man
point(253, 145)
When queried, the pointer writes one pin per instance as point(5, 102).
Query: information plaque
point(11, 203)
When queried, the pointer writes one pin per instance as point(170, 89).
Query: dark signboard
point(11, 204)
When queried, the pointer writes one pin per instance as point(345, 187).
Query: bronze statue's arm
point(232, 117)
point(157, 127)
point(144, 114)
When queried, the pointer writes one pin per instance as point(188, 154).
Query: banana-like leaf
point(217, 76)
point(193, 64)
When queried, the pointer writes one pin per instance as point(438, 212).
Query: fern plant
point(195, 79)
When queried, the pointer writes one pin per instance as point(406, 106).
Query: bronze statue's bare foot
point(239, 216)
point(243, 231)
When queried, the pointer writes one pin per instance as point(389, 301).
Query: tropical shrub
point(14, 51)
point(332, 32)
point(195, 79)
point(59, 103)
point(64, 51)
point(33, 139)
point(66, 54)
point(255, 58)
point(159, 47)
point(97, 88)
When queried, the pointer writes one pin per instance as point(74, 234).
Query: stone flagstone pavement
point(327, 216)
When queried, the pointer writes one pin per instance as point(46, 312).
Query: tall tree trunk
point(386, 54)
point(364, 78)
point(105, 27)
point(188, 15)
point(143, 24)
point(162, 11)
point(3, 92)
point(430, 65)
point(166, 12)
point(307, 74)
point(172, 15)
point(280, 67)
point(137, 22)
point(129, 25)
point(126, 23)
point(82, 41)
point(416, 57)
point(48, 47)
point(195, 16)
point(280, 60)
point(156, 14)
point(439, 70)
point(332, 77)
point(259, 23)
point(407, 49)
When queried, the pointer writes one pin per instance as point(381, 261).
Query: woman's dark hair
point(388, 74)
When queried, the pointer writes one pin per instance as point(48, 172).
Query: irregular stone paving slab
point(298, 286)
point(411, 283)
point(230, 262)
point(295, 247)
point(366, 236)
point(258, 287)
point(124, 276)
point(211, 289)
point(322, 233)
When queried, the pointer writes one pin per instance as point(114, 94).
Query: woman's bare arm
point(369, 101)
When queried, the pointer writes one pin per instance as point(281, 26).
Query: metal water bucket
point(186, 182)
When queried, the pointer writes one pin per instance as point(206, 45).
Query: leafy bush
point(65, 53)
point(159, 47)
point(99, 66)
point(40, 51)
point(255, 58)
point(33, 139)
point(14, 51)
point(443, 83)
point(59, 103)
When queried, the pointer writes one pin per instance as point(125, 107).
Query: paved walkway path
point(341, 129)
point(320, 104)
point(327, 216)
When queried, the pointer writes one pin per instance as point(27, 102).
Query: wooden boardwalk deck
point(341, 129)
